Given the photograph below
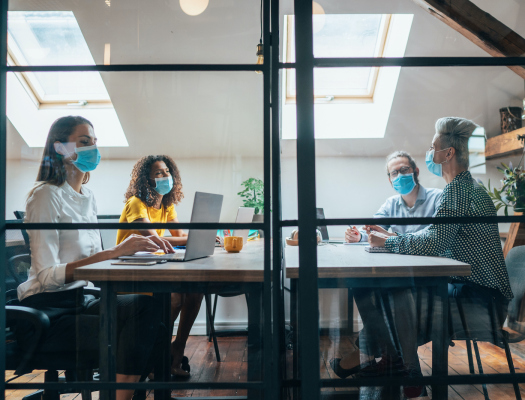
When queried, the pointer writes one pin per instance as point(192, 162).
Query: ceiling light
point(260, 56)
point(319, 17)
point(194, 7)
point(260, 52)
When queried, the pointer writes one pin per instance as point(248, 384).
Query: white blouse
point(51, 250)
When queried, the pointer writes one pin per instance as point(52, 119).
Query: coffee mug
point(233, 244)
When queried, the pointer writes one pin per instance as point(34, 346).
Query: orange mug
point(233, 244)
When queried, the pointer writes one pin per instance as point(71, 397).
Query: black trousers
point(409, 327)
point(75, 328)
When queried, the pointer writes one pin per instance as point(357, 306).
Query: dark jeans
point(409, 324)
point(75, 327)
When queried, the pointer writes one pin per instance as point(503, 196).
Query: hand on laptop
point(163, 244)
point(134, 243)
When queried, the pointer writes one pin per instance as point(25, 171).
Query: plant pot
point(259, 218)
point(520, 196)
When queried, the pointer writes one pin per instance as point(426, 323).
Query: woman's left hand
point(377, 239)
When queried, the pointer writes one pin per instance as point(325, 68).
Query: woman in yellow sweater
point(153, 192)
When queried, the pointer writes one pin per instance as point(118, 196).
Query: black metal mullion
point(132, 225)
point(411, 221)
point(135, 68)
point(308, 288)
point(278, 338)
point(3, 160)
point(411, 62)
point(267, 286)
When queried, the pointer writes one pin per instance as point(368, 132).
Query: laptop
point(324, 231)
point(201, 242)
point(244, 215)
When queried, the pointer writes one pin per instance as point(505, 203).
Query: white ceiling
point(212, 114)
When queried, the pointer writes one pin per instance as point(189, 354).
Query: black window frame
point(273, 385)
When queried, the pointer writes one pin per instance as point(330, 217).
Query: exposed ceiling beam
point(480, 27)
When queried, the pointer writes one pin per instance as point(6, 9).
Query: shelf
point(504, 145)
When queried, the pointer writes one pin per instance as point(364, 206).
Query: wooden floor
point(233, 367)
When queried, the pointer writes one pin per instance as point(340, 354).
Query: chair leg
point(34, 396)
point(85, 376)
point(511, 366)
point(480, 368)
point(207, 300)
point(470, 358)
point(212, 331)
point(212, 319)
point(51, 376)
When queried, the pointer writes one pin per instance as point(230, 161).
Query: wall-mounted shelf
point(504, 145)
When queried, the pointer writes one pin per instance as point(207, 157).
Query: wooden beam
point(504, 145)
point(479, 27)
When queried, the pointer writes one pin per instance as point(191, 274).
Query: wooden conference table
point(350, 266)
point(235, 271)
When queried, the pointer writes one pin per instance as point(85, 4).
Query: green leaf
point(506, 211)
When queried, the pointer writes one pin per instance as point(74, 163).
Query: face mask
point(436, 169)
point(163, 185)
point(88, 157)
point(404, 184)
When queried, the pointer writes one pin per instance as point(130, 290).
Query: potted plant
point(253, 196)
point(512, 191)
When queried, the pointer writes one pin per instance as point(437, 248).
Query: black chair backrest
point(21, 215)
point(515, 262)
point(108, 237)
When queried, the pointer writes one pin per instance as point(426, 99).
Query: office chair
point(25, 360)
point(211, 332)
point(498, 336)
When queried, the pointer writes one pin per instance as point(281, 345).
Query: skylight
point(54, 38)
point(350, 103)
point(341, 35)
point(35, 100)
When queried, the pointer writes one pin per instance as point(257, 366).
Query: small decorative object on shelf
point(510, 118)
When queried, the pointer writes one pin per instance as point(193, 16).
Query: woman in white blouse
point(60, 196)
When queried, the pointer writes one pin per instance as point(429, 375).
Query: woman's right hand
point(134, 243)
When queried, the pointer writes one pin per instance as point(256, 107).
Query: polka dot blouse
point(476, 244)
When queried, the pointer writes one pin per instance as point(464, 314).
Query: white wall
point(110, 180)
point(350, 187)
point(346, 187)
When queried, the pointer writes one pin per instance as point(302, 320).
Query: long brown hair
point(141, 188)
point(52, 169)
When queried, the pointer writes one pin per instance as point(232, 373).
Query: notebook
point(377, 249)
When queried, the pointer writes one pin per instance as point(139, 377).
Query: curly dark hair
point(141, 188)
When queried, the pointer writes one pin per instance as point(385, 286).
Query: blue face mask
point(436, 169)
point(163, 185)
point(404, 184)
point(88, 158)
